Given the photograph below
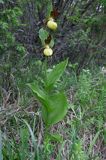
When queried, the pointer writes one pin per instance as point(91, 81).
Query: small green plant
point(77, 151)
point(54, 103)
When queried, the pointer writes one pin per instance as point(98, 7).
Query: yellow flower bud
point(51, 24)
point(48, 52)
point(47, 46)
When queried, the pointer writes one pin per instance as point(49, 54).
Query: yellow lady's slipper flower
point(51, 24)
point(48, 51)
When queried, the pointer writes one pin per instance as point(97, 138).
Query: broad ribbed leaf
point(40, 96)
point(54, 107)
point(36, 89)
point(56, 73)
point(58, 108)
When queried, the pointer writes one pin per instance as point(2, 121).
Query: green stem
point(45, 67)
point(47, 130)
